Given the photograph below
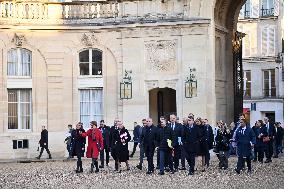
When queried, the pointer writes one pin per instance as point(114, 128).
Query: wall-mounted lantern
point(126, 86)
point(191, 84)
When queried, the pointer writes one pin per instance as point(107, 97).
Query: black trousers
point(190, 158)
point(134, 148)
point(241, 163)
point(102, 155)
point(149, 152)
point(207, 158)
point(258, 153)
point(269, 150)
point(177, 156)
point(47, 150)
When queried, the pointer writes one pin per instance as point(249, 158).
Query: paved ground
point(61, 174)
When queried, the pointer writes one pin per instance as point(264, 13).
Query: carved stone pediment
point(161, 55)
point(18, 40)
point(89, 39)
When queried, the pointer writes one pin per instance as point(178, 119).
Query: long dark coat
point(190, 139)
point(210, 136)
point(202, 147)
point(121, 149)
point(244, 141)
point(78, 143)
point(43, 142)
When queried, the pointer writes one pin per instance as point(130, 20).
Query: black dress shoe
point(172, 172)
point(149, 172)
point(37, 157)
point(190, 173)
point(97, 170)
point(268, 161)
point(254, 160)
point(101, 166)
point(183, 168)
point(249, 171)
point(237, 171)
point(275, 156)
point(161, 173)
point(139, 167)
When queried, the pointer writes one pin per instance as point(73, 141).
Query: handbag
point(266, 139)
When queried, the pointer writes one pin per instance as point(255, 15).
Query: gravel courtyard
point(61, 174)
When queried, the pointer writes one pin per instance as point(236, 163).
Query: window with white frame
point(90, 62)
point(269, 86)
point(268, 39)
point(247, 84)
point(19, 62)
point(91, 105)
point(19, 108)
point(247, 9)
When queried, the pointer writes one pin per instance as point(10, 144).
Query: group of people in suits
point(174, 142)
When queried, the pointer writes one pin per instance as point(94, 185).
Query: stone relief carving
point(89, 39)
point(161, 55)
point(18, 40)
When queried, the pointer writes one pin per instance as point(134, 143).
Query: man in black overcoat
point(210, 140)
point(106, 137)
point(113, 131)
point(43, 142)
point(148, 140)
point(190, 141)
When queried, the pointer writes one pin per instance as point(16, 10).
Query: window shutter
point(276, 7)
point(264, 41)
point(255, 8)
point(271, 40)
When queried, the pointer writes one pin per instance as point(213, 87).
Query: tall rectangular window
point(91, 105)
point(247, 84)
point(247, 13)
point(19, 108)
point(269, 86)
point(19, 62)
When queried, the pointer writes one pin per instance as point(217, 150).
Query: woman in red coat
point(95, 145)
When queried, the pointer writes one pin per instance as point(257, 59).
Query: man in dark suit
point(245, 139)
point(148, 139)
point(136, 136)
point(106, 137)
point(279, 132)
point(177, 142)
point(210, 140)
point(269, 145)
point(190, 140)
point(141, 157)
point(113, 131)
point(44, 143)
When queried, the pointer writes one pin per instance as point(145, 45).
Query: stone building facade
point(64, 62)
point(262, 22)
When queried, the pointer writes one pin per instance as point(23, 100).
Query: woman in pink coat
point(95, 145)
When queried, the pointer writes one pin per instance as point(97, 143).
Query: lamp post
point(126, 86)
point(279, 60)
point(191, 84)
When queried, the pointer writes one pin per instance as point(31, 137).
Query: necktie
point(243, 131)
point(173, 126)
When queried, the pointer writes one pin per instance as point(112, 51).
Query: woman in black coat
point(78, 145)
point(121, 139)
point(223, 145)
point(202, 147)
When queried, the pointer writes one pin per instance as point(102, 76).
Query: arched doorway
point(162, 102)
